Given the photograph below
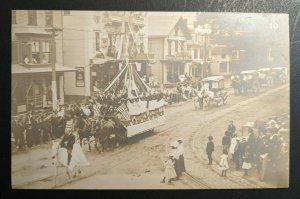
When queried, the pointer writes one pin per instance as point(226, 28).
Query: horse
point(237, 86)
point(60, 158)
point(84, 133)
point(106, 134)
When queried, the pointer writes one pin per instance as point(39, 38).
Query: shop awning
point(31, 30)
point(19, 69)
point(102, 60)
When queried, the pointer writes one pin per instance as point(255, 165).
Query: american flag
point(123, 110)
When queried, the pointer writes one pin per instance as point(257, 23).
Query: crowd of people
point(265, 140)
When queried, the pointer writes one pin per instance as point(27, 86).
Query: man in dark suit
point(67, 142)
point(226, 141)
point(231, 129)
point(209, 149)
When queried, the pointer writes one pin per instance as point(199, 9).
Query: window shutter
point(15, 52)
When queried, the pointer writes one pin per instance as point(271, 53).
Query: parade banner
point(145, 126)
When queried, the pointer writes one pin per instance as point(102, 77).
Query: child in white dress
point(223, 165)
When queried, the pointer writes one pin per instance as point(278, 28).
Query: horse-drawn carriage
point(265, 77)
point(279, 75)
point(212, 93)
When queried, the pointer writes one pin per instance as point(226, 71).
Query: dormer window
point(32, 18)
point(49, 18)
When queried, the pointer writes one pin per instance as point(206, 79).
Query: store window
point(49, 18)
point(32, 18)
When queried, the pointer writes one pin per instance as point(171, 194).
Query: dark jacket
point(226, 140)
point(210, 147)
point(68, 141)
point(231, 129)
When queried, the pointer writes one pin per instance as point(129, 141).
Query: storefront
point(31, 87)
point(103, 72)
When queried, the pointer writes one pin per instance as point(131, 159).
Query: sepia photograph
point(149, 100)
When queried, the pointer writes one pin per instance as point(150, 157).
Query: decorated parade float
point(141, 110)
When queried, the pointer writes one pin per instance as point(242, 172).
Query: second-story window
point(46, 52)
point(35, 52)
point(182, 46)
point(49, 18)
point(176, 46)
point(170, 47)
point(32, 20)
point(97, 39)
point(195, 53)
point(176, 31)
point(13, 17)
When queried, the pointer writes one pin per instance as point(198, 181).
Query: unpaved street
point(138, 164)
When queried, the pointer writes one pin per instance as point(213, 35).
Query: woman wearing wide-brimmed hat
point(209, 149)
point(175, 153)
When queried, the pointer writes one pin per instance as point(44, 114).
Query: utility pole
point(53, 63)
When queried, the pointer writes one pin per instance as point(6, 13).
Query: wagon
point(279, 75)
point(212, 93)
point(250, 81)
point(265, 77)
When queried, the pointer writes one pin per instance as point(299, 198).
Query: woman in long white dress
point(223, 165)
point(233, 144)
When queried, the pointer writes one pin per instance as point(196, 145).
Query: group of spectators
point(41, 126)
point(265, 148)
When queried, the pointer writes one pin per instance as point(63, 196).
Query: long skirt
point(177, 168)
point(181, 164)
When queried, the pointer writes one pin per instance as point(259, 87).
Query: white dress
point(223, 165)
point(169, 169)
point(232, 145)
point(78, 157)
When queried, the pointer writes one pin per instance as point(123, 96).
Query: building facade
point(168, 38)
point(98, 44)
point(32, 50)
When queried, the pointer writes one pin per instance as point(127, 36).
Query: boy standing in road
point(209, 149)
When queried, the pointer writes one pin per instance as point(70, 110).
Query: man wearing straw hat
point(209, 149)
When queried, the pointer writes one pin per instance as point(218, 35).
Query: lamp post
point(53, 63)
point(204, 30)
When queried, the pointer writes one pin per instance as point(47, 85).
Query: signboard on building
point(80, 77)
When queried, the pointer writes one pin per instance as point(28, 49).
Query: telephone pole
point(53, 63)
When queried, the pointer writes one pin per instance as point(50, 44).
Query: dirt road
point(138, 165)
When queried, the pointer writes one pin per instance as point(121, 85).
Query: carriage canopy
point(214, 82)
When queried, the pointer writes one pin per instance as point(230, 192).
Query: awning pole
point(117, 77)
